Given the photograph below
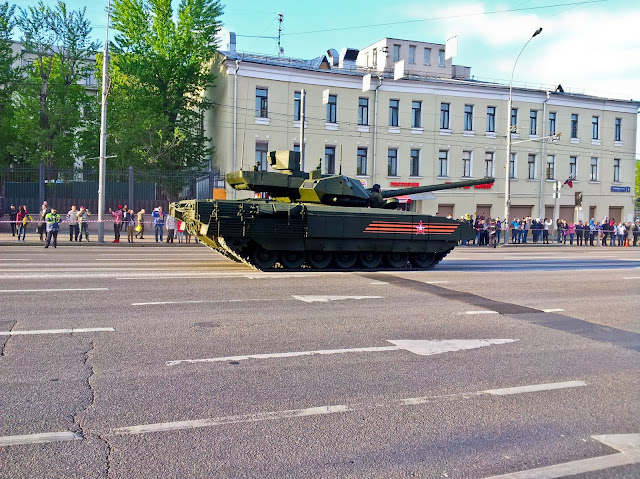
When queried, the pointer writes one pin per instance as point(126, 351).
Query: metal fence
point(136, 188)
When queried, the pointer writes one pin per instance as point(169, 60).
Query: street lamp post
point(507, 188)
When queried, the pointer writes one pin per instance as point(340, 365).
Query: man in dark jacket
point(13, 214)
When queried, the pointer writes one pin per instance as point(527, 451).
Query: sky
point(590, 47)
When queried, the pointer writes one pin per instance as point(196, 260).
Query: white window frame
point(363, 110)
point(443, 164)
point(414, 162)
point(616, 170)
point(396, 53)
point(330, 150)
point(332, 109)
point(531, 166)
point(533, 122)
point(573, 166)
point(262, 151)
point(445, 114)
point(550, 171)
point(595, 127)
point(467, 163)
point(262, 103)
point(362, 161)
point(491, 119)
point(427, 56)
point(412, 54)
point(594, 172)
point(489, 163)
point(392, 162)
point(513, 166)
point(441, 58)
point(416, 114)
point(552, 122)
point(394, 109)
point(468, 118)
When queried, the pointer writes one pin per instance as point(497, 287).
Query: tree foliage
point(10, 81)
point(159, 69)
point(52, 109)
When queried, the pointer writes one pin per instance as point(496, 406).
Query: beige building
point(434, 125)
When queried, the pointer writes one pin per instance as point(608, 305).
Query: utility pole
point(280, 49)
point(103, 134)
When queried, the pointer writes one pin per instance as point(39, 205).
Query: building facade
point(434, 125)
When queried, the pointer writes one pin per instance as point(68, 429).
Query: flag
point(569, 182)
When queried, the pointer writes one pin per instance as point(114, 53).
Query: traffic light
point(578, 198)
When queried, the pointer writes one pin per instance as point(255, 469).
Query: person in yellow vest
point(53, 226)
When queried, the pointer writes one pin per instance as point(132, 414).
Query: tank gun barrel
point(444, 186)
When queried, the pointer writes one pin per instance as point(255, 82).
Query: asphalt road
point(175, 362)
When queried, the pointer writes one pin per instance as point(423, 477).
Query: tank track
point(220, 246)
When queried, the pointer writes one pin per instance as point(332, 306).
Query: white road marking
point(632, 277)
point(292, 413)
point(38, 438)
point(627, 444)
point(435, 282)
point(421, 348)
point(378, 282)
point(48, 290)
point(553, 310)
point(534, 388)
point(481, 312)
point(57, 331)
point(326, 299)
point(177, 425)
point(203, 301)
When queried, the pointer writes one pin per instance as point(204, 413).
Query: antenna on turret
point(280, 49)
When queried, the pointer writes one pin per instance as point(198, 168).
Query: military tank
point(321, 221)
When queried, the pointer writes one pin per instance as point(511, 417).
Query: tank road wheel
point(345, 259)
point(396, 259)
point(424, 260)
point(370, 259)
point(319, 259)
point(291, 259)
point(262, 258)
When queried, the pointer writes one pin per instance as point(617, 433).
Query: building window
point(531, 164)
point(443, 163)
point(332, 109)
point(551, 167)
point(512, 165)
point(427, 56)
point(595, 130)
point(594, 169)
point(573, 166)
point(396, 53)
point(261, 155)
point(514, 120)
point(296, 106)
point(262, 104)
point(533, 122)
point(374, 55)
point(552, 123)
point(394, 107)
point(468, 117)
point(617, 133)
point(488, 163)
point(574, 125)
point(440, 58)
point(412, 54)
point(330, 159)
point(491, 119)
point(414, 163)
point(466, 164)
point(361, 167)
point(392, 167)
point(363, 111)
point(616, 169)
point(444, 116)
point(416, 114)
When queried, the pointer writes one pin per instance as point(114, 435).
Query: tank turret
point(289, 183)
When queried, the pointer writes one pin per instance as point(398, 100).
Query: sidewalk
point(32, 238)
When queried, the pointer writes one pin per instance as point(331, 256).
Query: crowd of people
point(592, 233)
point(124, 219)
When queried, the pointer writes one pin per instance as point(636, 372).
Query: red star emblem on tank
point(420, 228)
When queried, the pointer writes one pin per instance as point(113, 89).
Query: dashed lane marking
point(326, 299)
point(50, 290)
point(56, 331)
point(292, 413)
point(481, 312)
point(39, 438)
point(553, 310)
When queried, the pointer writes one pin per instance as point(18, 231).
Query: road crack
point(77, 419)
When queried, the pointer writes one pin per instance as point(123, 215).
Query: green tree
point(159, 69)
point(10, 82)
point(53, 107)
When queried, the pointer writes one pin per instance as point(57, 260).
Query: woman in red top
point(21, 222)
